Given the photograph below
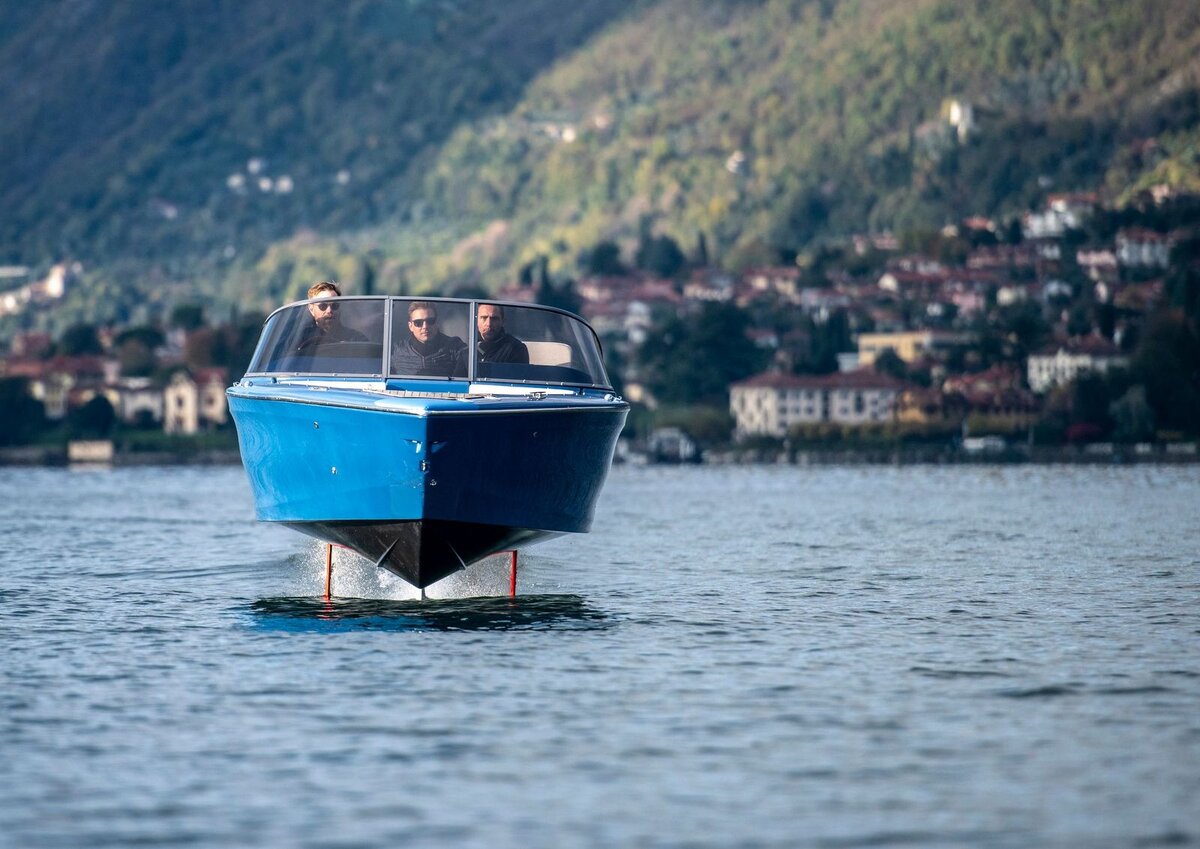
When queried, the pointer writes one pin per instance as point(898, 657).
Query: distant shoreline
point(1092, 455)
point(54, 455)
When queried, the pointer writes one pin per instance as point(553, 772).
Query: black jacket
point(314, 336)
point(505, 348)
point(442, 356)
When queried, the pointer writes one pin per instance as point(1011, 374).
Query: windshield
point(430, 338)
point(533, 344)
point(324, 336)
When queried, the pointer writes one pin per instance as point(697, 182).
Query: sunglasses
point(421, 322)
point(327, 307)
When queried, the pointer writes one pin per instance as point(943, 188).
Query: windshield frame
point(385, 372)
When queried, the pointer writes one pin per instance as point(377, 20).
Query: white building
point(1063, 212)
point(195, 400)
point(1062, 364)
point(960, 114)
point(771, 403)
point(52, 287)
point(1141, 248)
point(783, 280)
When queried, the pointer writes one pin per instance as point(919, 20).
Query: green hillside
point(451, 142)
point(124, 123)
point(833, 111)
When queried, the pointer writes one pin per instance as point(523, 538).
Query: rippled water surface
point(735, 657)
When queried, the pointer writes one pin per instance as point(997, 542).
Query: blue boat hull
point(425, 490)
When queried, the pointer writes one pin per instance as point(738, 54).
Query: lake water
point(734, 657)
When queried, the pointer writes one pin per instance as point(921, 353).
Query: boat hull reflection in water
point(420, 454)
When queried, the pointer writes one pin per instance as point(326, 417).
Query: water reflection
point(523, 613)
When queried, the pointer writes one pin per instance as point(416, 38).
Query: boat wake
point(357, 577)
point(523, 613)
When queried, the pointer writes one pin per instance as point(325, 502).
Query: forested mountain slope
point(456, 140)
point(765, 125)
point(125, 122)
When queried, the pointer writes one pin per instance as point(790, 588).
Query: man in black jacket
point(427, 351)
point(495, 344)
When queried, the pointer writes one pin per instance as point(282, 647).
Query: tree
point(135, 350)
point(830, 338)
point(889, 362)
point(94, 420)
point(243, 339)
point(1133, 416)
point(21, 415)
point(701, 260)
point(78, 340)
point(660, 255)
point(693, 360)
point(604, 260)
point(469, 290)
point(1012, 231)
point(1079, 321)
point(368, 277)
point(148, 335)
point(1106, 319)
point(1183, 278)
point(187, 316)
point(136, 358)
point(1024, 328)
point(1167, 363)
point(562, 296)
point(1091, 401)
point(199, 348)
point(805, 214)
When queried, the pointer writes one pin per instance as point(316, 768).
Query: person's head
point(490, 320)
point(422, 320)
point(323, 286)
point(324, 312)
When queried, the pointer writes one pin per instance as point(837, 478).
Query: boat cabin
point(430, 339)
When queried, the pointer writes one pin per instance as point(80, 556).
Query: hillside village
point(1009, 335)
point(1021, 332)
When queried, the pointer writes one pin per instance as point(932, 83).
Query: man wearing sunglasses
point(327, 325)
point(427, 350)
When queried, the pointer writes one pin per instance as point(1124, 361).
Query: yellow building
point(909, 345)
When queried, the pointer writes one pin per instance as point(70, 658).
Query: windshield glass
point(536, 345)
point(324, 336)
point(430, 338)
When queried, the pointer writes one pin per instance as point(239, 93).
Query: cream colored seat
point(549, 353)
